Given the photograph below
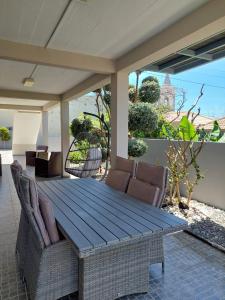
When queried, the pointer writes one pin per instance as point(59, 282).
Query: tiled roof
point(199, 121)
point(221, 123)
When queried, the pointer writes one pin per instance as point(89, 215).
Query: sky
point(212, 104)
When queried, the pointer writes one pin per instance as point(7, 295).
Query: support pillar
point(65, 137)
point(44, 125)
point(119, 115)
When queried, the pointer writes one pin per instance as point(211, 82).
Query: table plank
point(77, 221)
point(139, 223)
point(149, 210)
point(117, 200)
point(68, 227)
point(81, 201)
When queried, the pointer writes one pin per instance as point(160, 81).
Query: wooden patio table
point(112, 234)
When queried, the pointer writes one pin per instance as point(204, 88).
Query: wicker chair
point(49, 272)
point(48, 168)
point(157, 177)
point(31, 155)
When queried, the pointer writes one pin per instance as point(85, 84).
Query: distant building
point(167, 94)
point(221, 122)
point(200, 121)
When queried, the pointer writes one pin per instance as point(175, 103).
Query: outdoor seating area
point(193, 269)
point(112, 150)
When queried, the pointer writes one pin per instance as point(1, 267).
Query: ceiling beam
point(21, 107)
point(86, 86)
point(50, 105)
point(192, 53)
point(14, 94)
point(54, 58)
point(206, 21)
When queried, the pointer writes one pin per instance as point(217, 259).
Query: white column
point(65, 137)
point(119, 115)
point(44, 125)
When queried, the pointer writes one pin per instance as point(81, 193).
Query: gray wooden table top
point(93, 215)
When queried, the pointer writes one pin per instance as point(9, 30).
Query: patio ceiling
point(71, 47)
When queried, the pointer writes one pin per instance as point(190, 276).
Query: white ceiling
point(99, 27)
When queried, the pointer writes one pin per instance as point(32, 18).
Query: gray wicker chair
point(49, 272)
point(158, 176)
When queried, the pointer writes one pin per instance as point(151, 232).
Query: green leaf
point(216, 133)
point(187, 130)
point(222, 139)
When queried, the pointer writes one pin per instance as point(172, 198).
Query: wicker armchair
point(50, 272)
point(155, 177)
point(48, 168)
point(31, 155)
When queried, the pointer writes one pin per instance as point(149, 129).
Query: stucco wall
point(211, 189)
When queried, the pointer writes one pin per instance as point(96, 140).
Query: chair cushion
point(43, 155)
point(49, 218)
point(30, 196)
point(123, 164)
point(16, 170)
point(118, 179)
point(143, 191)
point(155, 175)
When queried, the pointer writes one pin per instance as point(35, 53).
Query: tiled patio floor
point(193, 269)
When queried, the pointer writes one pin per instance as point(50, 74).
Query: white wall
point(26, 126)
point(211, 189)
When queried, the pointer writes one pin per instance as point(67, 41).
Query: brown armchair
point(31, 155)
point(48, 168)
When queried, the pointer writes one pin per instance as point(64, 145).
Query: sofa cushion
point(48, 217)
point(118, 179)
point(143, 191)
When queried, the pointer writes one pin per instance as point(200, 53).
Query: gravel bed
point(205, 221)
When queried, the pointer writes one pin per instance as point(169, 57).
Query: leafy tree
point(149, 92)
point(142, 117)
point(132, 94)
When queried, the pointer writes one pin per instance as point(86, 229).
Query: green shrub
point(78, 126)
point(136, 147)
point(132, 93)
point(142, 117)
point(4, 134)
point(150, 78)
point(149, 92)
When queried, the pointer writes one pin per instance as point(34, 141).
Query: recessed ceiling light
point(28, 82)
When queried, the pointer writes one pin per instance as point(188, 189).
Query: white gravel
point(205, 221)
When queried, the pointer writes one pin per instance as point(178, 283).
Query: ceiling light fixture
point(28, 82)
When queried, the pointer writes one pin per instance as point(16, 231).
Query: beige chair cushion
point(123, 164)
point(43, 155)
point(48, 217)
point(154, 175)
point(118, 179)
point(143, 191)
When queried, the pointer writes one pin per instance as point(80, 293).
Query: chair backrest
point(16, 170)
point(29, 197)
point(42, 147)
point(154, 175)
point(123, 164)
point(118, 177)
point(93, 162)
